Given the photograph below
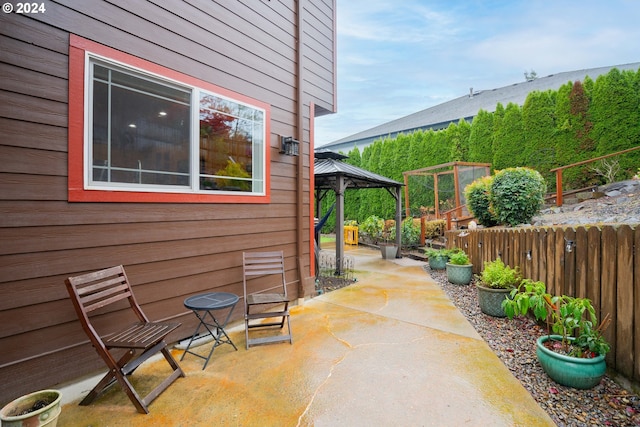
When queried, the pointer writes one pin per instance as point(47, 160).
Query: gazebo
point(331, 174)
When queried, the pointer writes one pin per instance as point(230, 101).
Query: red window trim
point(78, 47)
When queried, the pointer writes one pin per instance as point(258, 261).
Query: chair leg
point(289, 329)
point(120, 374)
point(142, 404)
point(108, 380)
point(246, 330)
point(172, 361)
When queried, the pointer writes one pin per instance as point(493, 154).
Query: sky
point(397, 57)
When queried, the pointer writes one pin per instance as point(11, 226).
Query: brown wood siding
point(319, 36)
point(170, 251)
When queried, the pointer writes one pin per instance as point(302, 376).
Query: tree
point(538, 121)
point(616, 115)
point(458, 138)
point(510, 139)
point(480, 150)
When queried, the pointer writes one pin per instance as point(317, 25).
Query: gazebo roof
point(327, 170)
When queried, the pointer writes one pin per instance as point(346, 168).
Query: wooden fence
point(601, 263)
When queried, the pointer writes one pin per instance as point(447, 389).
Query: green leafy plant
point(437, 253)
point(389, 230)
point(566, 316)
point(517, 194)
point(410, 232)
point(477, 195)
point(372, 226)
point(459, 258)
point(497, 275)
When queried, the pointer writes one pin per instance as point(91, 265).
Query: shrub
point(410, 232)
point(372, 227)
point(435, 228)
point(516, 195)
point(477, 195)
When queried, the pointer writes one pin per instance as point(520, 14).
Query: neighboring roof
point(327, 171)
point(466, 107)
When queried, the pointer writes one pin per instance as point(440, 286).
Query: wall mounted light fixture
point(570, 245)
point(289, 146)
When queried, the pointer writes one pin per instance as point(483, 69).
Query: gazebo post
point(339, 224)
point(398, 197)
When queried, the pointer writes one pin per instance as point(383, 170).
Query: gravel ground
point(513, 341)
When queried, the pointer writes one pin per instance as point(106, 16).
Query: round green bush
point(477, 196)
point(516, 195)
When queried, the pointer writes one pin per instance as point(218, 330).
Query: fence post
point(559, 187)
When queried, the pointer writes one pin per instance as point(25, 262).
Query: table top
point(211, 301)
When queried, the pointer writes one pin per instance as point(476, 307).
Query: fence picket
point(582, 249)
point(608, 288)
point(636, 303)
point(569, 268)
point(558, 263)
point(624, 294)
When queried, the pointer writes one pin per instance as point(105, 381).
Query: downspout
point(300, 219)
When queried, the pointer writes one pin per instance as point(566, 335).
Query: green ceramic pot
point(459, 274)
point(573, 372)
point(490, 300)
point(438, 262)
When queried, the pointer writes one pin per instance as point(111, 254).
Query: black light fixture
point(289, 146)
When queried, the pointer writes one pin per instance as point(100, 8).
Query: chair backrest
point(99, 289)
point(263, 264)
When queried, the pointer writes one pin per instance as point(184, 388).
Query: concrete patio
point(390, 349)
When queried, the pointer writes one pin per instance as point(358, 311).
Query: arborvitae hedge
point(580, 120)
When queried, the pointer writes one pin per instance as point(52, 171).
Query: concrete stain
point(388, 350)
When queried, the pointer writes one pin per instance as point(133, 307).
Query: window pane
point(140, 131)
point(229, 140)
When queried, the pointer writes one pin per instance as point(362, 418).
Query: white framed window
point(152, 134)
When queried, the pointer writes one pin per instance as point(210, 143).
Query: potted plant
point(437, 258)
point(371, 229)
point(41, 408)
point(494, 285)
point(574, 354)
point(459, 268)
point(389, 248)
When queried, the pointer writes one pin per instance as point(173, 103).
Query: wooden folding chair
point(141, 340)
point(264, 266)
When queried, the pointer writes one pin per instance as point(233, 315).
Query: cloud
point(398, 57)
